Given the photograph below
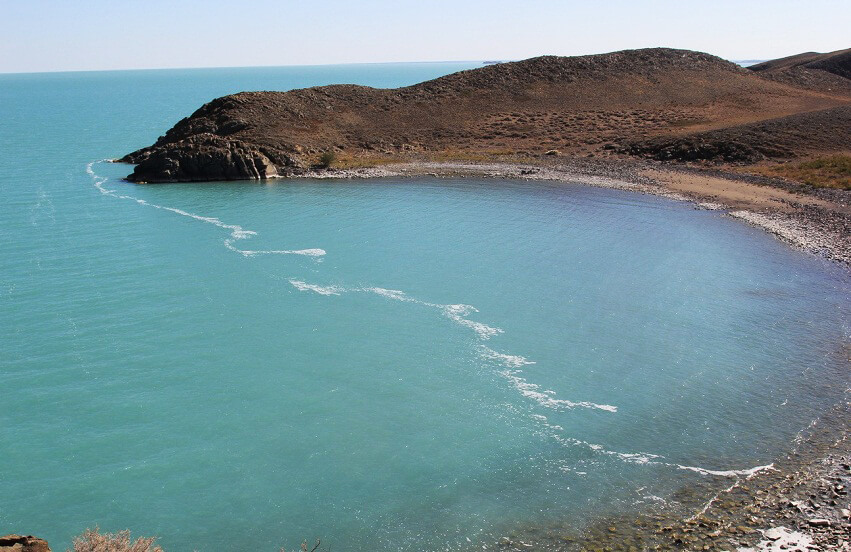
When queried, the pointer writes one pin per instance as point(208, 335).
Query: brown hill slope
point(812, 70)
point(838, 62)
point(578, 105)
point(806, 133)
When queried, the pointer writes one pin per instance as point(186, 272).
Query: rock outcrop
point(205, 157)
point(21, 543)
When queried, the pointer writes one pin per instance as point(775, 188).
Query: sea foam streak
point(458, 313)
point(321, 290)
point(511, 361)
point(546, 398)
point(643, 458)
point(236, 232)
point(533, 391)
point(728, 473)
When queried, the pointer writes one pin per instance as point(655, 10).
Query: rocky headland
point(659, 103)
point(694, 124)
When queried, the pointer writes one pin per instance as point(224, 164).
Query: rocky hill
point(831, 71)
point(811, 132)
point(588, 105)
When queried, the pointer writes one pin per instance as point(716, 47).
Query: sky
point(64, 35)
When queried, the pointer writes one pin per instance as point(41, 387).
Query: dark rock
point(207, 157)
point(819, 522)
point(20, 543)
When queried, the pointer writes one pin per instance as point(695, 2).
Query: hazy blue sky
point(41, 35)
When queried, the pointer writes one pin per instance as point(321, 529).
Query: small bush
point(93, 541)
point(326, 159)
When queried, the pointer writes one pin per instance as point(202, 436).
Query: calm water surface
point(467, 356)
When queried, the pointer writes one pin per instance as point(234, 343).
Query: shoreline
point(804, 498)
point(802, 503)
point(806, 222)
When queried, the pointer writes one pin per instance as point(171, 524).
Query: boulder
point(21, 543)
point(208, 157)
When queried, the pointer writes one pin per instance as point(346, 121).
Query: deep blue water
point(467, 358)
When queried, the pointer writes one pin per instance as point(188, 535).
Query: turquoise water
point(388, 365)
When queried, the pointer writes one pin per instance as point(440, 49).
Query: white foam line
point(647, 458)
point(728, 473)
point(457, 313)
point(509, 361)
point(712, 501)
point(394, 294)
point(547, 398)
point(236, 232)
point(640, 458)
point(533, 391)
point(321, 290)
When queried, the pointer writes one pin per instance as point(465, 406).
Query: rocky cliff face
point(205, 157)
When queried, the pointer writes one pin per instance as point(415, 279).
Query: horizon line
point(197, 67)
point(249, 66)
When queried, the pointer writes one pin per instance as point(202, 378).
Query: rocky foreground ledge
point(23, 543)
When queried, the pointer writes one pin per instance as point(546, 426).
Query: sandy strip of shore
point(736, 194)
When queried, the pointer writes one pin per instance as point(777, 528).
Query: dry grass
point(484, 155)
point(682, 123)
point(93, 541)
point(361, 161)
point(832, 171)
point(344, 161)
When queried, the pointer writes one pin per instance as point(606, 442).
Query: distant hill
point(587, 105)
point(831, 71)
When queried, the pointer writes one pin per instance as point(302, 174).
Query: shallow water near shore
point(396, 364)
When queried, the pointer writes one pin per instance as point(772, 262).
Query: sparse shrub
point(93, 541)
point(327, 158)
point(833, 171)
